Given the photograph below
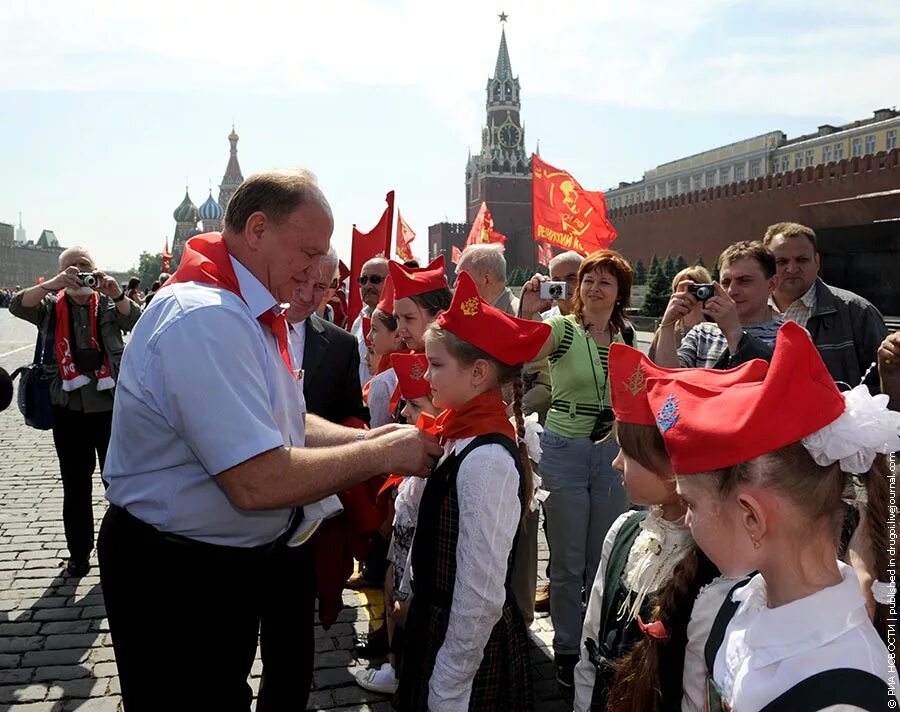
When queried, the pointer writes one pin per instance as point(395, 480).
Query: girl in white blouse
point(762, 468)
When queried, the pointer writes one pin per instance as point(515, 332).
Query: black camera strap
point(587, 343)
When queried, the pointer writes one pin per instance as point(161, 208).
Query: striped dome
point(187, 211)
point(211, 210)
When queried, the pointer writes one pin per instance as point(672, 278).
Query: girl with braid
point(762, 468)
point(467, 646)
point(650, 570)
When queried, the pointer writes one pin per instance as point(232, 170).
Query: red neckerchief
point(483, 415)
point(205, 259)
point(72, 378)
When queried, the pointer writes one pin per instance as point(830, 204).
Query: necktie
point(278, 324)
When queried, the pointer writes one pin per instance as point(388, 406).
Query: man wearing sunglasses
point(371, 282)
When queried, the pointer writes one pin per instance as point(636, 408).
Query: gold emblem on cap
point(637, 382)
point(470, 306)
point(416, 373)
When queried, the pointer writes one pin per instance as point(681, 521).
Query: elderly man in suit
point(329, 365)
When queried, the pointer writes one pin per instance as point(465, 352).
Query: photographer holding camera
point(586, 494)
point(743, 326)
point(81, 313)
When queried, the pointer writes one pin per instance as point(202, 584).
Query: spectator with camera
point(81, 313)
point(846, 328)
point(698, 275)
point(743, 326)
point(586, 494)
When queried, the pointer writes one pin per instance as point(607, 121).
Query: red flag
point(405, 236)
point(365, 246)
point(166, 257)
point(544, 254)
point(482, 231)
point(566, 215)
point(455, 254)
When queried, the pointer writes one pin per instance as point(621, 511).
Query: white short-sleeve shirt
point(202, 388)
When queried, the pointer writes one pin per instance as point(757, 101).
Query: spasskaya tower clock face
point(509, 135)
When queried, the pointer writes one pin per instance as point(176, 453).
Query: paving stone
point(61, 672)
point(21, 644)
point(40, 658)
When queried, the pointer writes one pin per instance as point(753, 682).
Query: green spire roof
point(503, 70)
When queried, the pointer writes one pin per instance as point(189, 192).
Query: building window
point(725, 176)
point(810, 158)
point(739, 172)
point(710, 179)
point(891, 140)
point(785, 164)
point(826, 154)
point(755, 168)
point(870, 144)
point(798, 161)
point(838, 151)
point(857, 147)
point(684, 185)
point(672, 188)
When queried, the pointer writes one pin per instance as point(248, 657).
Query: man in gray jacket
point(82, 321)
point(846, 328)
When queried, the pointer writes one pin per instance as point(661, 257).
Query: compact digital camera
point(554, 290)
point(88, 279)
point(702, 292)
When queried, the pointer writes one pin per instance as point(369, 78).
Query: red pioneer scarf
point(205, 259)
point(72, 378)
point(483, 415)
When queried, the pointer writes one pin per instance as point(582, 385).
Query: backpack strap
point(842, 686)
point(720, 624)
point(615, 565)
point(565, 343)
point(628, 334)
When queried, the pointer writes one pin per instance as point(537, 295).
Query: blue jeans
point(586, 496)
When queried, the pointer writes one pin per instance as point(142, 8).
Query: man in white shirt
point(208, 457)
point(371, 282)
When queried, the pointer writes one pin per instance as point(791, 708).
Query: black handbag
point(34, 385)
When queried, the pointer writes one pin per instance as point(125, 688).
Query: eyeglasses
point(374, 279)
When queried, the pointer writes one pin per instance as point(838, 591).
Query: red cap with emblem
point(707, 428)
point(386, 303)
point(410, 281)
point(410, 370)
point(506, 338)
point(629, 370)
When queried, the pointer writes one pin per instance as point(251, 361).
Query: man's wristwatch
point(118, 299)
point(361, 435)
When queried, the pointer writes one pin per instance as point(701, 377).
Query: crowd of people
point(716, 511)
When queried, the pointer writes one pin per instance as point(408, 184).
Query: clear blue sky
point(106, 109)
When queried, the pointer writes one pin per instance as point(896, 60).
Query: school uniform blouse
point(487, 488)
point(766, 651)
point(643, 570)
point(380, 391)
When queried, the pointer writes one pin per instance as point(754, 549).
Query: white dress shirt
point(202, 388)
point(487, 488)
point(381, 389)
point(766, 651)
point(357, 331)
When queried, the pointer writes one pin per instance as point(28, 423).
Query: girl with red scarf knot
point(467, 647)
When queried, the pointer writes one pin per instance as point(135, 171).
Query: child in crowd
point(762, 468)
point(649, 566)
point(467, 647)
point(416, 392)
point(420, 294)
point(381, 393)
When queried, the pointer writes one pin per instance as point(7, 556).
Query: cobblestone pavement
point(55, 648)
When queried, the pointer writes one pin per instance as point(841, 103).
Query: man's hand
point(399, 612)
point(106, 285)
point(409, 451)
point(889, 368)
point(64, 280)
point(723, 310)
point(383, 430)
point(680, 304)
point(530, 301)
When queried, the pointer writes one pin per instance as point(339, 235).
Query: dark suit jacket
point(331, 372)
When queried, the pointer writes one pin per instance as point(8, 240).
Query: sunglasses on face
point(374, 279)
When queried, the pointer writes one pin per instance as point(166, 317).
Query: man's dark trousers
point(80, 439)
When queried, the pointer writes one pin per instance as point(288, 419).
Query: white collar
point(259, 299)
point(787, 631)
